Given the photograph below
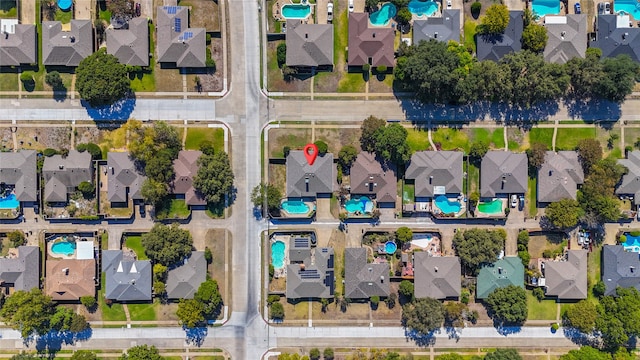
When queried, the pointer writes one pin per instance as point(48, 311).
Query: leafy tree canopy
point(215, 177)
point(590, 152)
point(495, 20)
point(503, 354)
point(209, 295)
point(478, 246)
point(346, 157)
point(534, 38)
point(536, 154)
point(508, 305)
point(29, 312)
point(272, 194)
point(142, 352)
point(167, 244)
point(370, 127)
point(582, 316)
point(564, 214)
point(190, 312)
point(153, 192)
point(101, 79)
point(619, 317)
point(423, 315)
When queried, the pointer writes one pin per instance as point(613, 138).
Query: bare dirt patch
point(203, 14)
point(42, 138)
point(6, 140)
point(276, 81)
point(167, 79)
point(87, 135)
point(211, 79)
point(293, 138)
point(278, 176)
point(218, 269)
point(381, 83)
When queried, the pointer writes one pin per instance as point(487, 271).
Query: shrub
point(273, 299)
point(381, 69)
point(622, 239)
point(538, 293)
point(328, 354)
point(54, 80)
point(272, 271)
point(634, 233)
point(208, 255)
point(87, 189)
point(277, 311)
point(475, 8)
point(286, 150)
point(366, 68)
point(375, 300)
point(26, 77)
point(473, 316)
point(210, 63)
point(95, 151)
point(322, 147)
point(314, 354)
point(599, 288)
point(88, 301)
point(208, 38)
point(464, 296)
point(555, 327)
point(525, 257)
point(81, 147)
point(281, 54)
point(391, 300)
point(49, 152)
point(16, 238)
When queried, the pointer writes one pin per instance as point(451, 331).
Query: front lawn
point(451, 139)
point(540, 310)
point(195, 136)
point(142, 312)
point(172, 209)
point(113, 312)
point(8, 81)
point(568, 138)
point(135, 243)
point(418, 139)
point(351, 82)
point(469, 35)
point(541, 135)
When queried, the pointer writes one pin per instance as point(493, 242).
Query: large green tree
point(272, 194)
point(215, 177)
point(619, 317)
point(370, 128)
point(590, 152)
point(147, 142)
point(167, 244)
point(423, 315)
point(495, 20)
point(597, 197)
point(101, 79)
point(619, 78)
point(582, 316)
point(190, 312)
point(346, 157)
point(209, 295)
point(478, 246)
point(586, 353)
point(534, 38)
point(564, 214)
point(508, 305)
point(391, 144)
point(153, 192)
point(29, 312)
point(142, 352)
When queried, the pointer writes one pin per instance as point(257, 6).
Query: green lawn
point(142, 312)
point(104, 241)
point(408, 193)
point(351, 82)
point(469, 35)
point(64, 16)
point(568, 138)
point(541, 135)
point(113, 312)
point(495, 138)
point(145, 80)
point(418, 139)
point(532, 196)
point(105, 15)
point(474, 178)
point(8, 81)
point(9, 11)
point(540, 310)
point(593, 270)
point(172, 209)
point(195, 136)
point(451, 139)
point(135, 243)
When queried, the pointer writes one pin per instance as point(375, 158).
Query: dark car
point(36, 209)
point(138, 9)
point(577, 8)
point(143, 211)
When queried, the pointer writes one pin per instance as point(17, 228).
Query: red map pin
point(311, 153)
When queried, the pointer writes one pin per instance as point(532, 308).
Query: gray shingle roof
point(186, 168)
point(615, 37)
point(567, 279)
point(63, 175)
point(502, 273)
point(122, 178)
point(19, 169)
point(309, 44)
point(184, 280)
point(126, 280)
point(442, 28)
point(131, 45)
point(66, 48)
point(19, 47)
point(435, 168)
point(176, 42)
point(309, 180)
point(559, 176)
point(369, 42)
point(313, 277)
point(494, 47)
point(23, 272)
point(620, 268)
point(364, 280)
point(369, 178)
point(503, 172)
point(299, 248)
point(567, 40)
point(630, 184)
point(436, 277)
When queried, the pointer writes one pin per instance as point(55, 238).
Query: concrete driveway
point(514, 4)
point(82, 10)
point(321, 11)
point(27, 12)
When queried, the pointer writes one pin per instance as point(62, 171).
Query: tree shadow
point(195, 336)
point(453, 332)
point(603, 112)
point(505, 329)
point(580, 338)
point(120, 110)
point(60, 93)
point(421, 339)
point(53, 341)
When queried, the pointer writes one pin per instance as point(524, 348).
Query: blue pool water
point(631, 7)
point(384, 15)
point(446, 206)
point(632, 243)
point(390, 247)
point(291, 11)
point(277, 254)
point(295, 207)
point(422, 8)
point(9, 202)
point(64, 4)
point(63, 248)
point(362, 204)
point(546, 7)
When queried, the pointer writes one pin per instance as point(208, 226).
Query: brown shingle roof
point(186, 168)
point(369, 178)
point(70, 279)
point(365, 42)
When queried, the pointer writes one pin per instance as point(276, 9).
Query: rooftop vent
point(61, 167)
point(435, 268)
point(73, 39)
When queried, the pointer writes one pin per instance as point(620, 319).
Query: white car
point(350, 5)
point(449, 5)
point(514, 200)
point(330, 12)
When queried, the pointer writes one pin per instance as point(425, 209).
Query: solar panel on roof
point(171, 10)
point(188, 35)
point(177, 24)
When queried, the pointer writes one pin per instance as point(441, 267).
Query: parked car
point(577, 8)
point(449, 5)
point(138, 10)
point(607, 8)
point(330, 12)
point(36, 209)
point(143, 211)
point(514, 200)
point(350, 5)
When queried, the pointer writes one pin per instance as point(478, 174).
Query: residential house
point(62, 175)
point(66, 48)
point(567, 37)
point(615, 36)
point(22, 272)
point(184, 280)
point(502, 273)
point(309, 45)
point(368, 177)
point(19, 170)
point(496, 46)
point(436, 277)
point(130, 44)
point(70, 279)
point(18, 43)
point(362, 280)
point(567, 279)
point(304, 180)
point(310, 271)
point(503, 173)
point(442, 28)
point(186, 168)
point(124, 182)
point(177, 43)
point(369, 45)
point(559, 176)
point(435, 173)
point(126, 279)
point(630, 184)
point(619, 268)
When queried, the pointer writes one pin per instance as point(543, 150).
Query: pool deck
point(435, 210)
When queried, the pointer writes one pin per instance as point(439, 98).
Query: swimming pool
point(9, 202)
point(390, 247)
point(64, 4)
point(546, 7)
point(361, 204)
point(632, 243)
point(291, 11)
point(631, 7)
point(422, 8)
point(277, 254)
point(446, 206)
point(384, 15)
point(295, 207)
point(492, 207)
point(63, 248)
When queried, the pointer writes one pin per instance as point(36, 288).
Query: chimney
point(374, 35)
point(61, 167)
point(435, 35)
point(430, 179)
point(625, 35)
point(382, 279)
point(65, 271)
point(499, 270)
point(73, 39)
point(306, 36)
point(133, 281)
point(632, 268)
point(435, 269)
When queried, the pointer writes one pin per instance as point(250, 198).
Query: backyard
point(134, 243)
point(172, 209)
point(8, 9)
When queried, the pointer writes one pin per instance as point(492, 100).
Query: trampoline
point(65, 4)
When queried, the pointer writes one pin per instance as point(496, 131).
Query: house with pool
point(20, 270)
point(502, 173)
point(124, 182)
point(177, 44)
point(310, 272)
point(19, 43)
point(502, 273)
point(306, 183)
point(436, 277)
point(18, 182)
point(559, 177)
point(185, 168)
point(370, 44)
point(615, 36)
point(126, 278)
point(566, 279)
point(441, 28)
point(629, 186)
point(567, 38)
point(494, 47)
point(184, 279)
point(619, 268)
point(309, 46)
point(372, 184)
point(437, 183)
point(62, 175)
point(363, 279)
